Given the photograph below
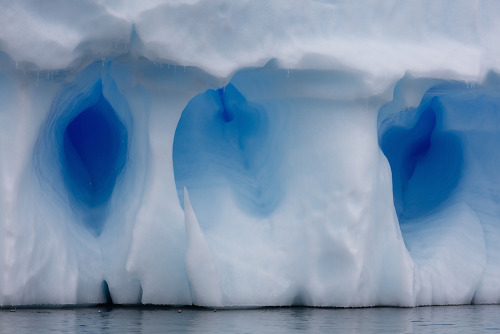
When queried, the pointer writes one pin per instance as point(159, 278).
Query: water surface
point(441, 319)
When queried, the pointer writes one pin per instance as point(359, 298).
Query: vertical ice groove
point(200, 265)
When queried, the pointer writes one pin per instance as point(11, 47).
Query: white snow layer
point(335, 154)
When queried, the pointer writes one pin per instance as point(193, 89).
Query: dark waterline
point(440, 319)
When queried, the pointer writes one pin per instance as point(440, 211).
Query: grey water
point(436, 319)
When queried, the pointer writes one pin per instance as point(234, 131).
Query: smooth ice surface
point(249, 153)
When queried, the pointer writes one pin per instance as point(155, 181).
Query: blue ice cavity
point(94, 153)
point(83, 146)
point(222, 140)
point(426, 158)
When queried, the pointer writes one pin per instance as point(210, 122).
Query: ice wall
point(234, 154)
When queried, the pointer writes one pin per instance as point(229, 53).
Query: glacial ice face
point(348, 160)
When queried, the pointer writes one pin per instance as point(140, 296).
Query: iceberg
point(250, 153)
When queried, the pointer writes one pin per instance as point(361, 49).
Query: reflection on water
point(444, 319)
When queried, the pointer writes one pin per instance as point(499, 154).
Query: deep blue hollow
point(426, 162)
point(94, 154)
point(222, 140)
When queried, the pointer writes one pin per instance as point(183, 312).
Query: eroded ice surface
point(249, 153)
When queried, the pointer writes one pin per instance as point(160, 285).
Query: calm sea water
point(444, 319)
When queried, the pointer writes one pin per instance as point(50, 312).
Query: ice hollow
point(242, 154)
point(94, 154)
point(442, 160)
point(88, 145)
point(426, 161)
point(222, 140)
